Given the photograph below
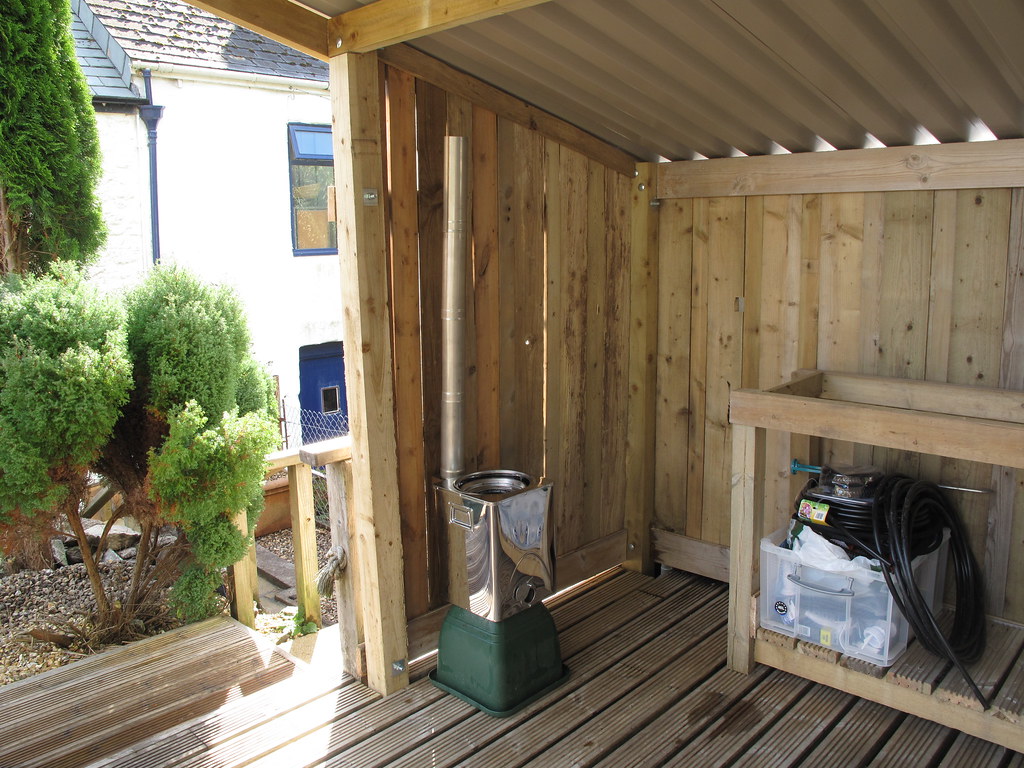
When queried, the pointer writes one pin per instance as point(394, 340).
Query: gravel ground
point(280, 544)
point(47, 599)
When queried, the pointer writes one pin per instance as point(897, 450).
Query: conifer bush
point(49, 146)
point(64, 375)
point(160, 398)
point(156, 395)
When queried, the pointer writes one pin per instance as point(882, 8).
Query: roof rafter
point(386, 22)
point(288, 23)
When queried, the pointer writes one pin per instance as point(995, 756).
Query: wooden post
point(643, 342)
point(300, 498)
point(376, 532)
point(339, 476)
point(245, 578)
point(747, 515)
point(335, 455)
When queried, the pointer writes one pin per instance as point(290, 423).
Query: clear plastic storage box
point(850, 611)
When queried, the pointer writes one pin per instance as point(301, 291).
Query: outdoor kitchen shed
point(672, 200)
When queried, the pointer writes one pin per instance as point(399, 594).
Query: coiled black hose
point(902, 506)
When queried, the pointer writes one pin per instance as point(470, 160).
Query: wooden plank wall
point(919, 284)
point(549, 338)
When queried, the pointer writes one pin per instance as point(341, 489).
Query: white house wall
point(126, 212)
point(224, 204)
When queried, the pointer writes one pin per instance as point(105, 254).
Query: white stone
point(119, 536)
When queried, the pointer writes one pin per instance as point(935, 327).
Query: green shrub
point(64, 375)
point(188, 341)
point(194, 596)
point(256, 390)
point(204, 473)
point(161, 399)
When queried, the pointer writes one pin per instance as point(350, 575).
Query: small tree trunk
point(90, 565)
point(141, 566)
point(10, 257)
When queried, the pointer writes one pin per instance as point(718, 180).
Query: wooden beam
point(507, 106)
point(958, 437)
point(408, 332)
point(744, 554)
point(376, 534)
point(387, 22)
point(282, 459)
point(643, 343)
point(935, 166)
point(915, 394)
point(691, 555)
point(590, 560)
point(802, 383)
point(288, 23)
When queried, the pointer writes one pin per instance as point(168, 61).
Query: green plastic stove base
point(499, 666)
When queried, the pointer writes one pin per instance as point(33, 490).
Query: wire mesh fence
point(299, 427)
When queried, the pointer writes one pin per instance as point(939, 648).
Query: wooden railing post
point(339, 481)
point(246, 584)
point(300, 496)
point(336, 457)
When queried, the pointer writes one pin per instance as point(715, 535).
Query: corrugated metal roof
point(677, 79)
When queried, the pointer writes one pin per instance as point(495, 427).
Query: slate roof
point(104, 62)
point(168, 31)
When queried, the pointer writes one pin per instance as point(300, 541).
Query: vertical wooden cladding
point(548, 350)
point(905, 284)
point(562, 342)
point(405, 317)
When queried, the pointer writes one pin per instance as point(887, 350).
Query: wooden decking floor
point(648, 687)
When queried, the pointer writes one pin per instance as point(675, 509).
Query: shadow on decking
point(648, 687)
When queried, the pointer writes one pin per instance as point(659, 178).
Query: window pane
point(309, 205)
point(329, 399)
point(309, 143)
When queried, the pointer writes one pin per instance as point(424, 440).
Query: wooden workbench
point(972, 423)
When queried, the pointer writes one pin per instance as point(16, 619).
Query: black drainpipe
point(151, 114)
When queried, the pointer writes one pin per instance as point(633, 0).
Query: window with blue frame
point(311, 172)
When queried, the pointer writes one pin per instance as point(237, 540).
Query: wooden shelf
point(972, 423)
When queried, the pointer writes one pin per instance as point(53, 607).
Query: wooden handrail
point(278, 460)
point(335, 455)
point(327, 451)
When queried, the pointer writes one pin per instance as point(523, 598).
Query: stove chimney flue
point(453, 316)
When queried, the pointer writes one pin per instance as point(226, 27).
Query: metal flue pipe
point(453, 312)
